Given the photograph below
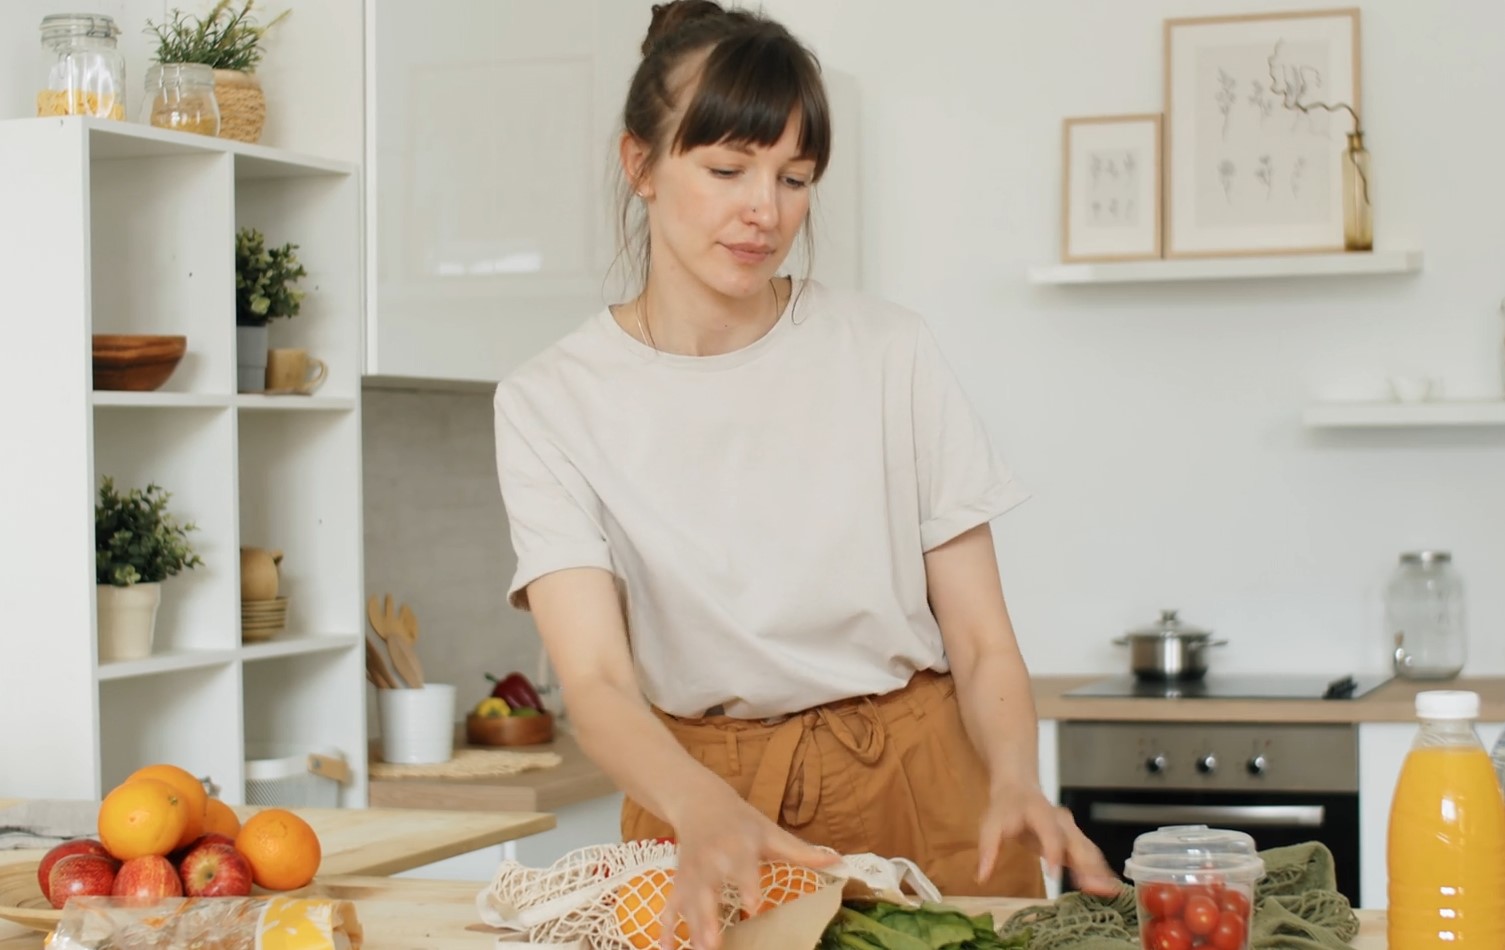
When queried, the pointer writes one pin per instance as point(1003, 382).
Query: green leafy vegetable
point(884, 926)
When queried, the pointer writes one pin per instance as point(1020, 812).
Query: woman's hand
point(722, 839)
point(1019, 811)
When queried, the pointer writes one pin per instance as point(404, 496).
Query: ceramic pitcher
point(259, 577)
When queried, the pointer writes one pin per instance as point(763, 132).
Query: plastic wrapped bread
point(207, 923)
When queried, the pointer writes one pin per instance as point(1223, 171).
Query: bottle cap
point(1447, 704)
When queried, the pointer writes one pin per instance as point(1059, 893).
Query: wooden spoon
point(385, 622)
point(376, 667)
point(409, 624)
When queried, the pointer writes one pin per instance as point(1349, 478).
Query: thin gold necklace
point(642, 305)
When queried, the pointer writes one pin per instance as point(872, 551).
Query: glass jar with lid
point(181, 96)
point(83, 71)
point(1424, 616)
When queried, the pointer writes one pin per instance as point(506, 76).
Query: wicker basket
point(242, 107)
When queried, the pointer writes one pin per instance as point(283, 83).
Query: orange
point(190, 789)
point(140, 817)
point(781, 883)
point(282, 849)
point(220, 819)
point(639, 904)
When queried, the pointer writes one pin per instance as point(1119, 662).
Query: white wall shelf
point(1229, 268)
point(116, 227)
point(1379, 415)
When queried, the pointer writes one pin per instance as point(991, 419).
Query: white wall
point(1159, 426)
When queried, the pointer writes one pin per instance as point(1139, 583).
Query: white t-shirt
point(765, 511)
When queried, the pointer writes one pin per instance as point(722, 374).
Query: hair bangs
point(748, 88)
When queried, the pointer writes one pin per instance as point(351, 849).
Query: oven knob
point(1155, 764)
point(1207, 764)
point(1256, 765)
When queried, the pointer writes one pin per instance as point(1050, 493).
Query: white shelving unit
point(1229, 268)
point(1394, 415)
point(116, 227)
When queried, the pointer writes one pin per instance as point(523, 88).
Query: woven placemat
point(471, 763)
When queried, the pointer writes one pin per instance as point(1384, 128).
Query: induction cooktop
point(1236, 686)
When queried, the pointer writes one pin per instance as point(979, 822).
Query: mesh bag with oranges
point(612, 896)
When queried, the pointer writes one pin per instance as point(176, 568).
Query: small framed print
point(1110, 196)
point(1257, 113)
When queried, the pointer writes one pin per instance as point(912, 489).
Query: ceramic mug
point(288, 371)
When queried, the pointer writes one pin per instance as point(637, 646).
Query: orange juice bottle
point(1446, 854)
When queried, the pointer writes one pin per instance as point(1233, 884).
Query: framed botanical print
point(1257, 112)
point(1110, 188)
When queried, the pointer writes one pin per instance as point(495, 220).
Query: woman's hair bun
point(670, 18)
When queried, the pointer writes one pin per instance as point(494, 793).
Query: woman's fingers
point(789, 847)
point(695, 898)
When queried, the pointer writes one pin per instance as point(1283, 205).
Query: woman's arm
point(998, 709)
point(721, 838)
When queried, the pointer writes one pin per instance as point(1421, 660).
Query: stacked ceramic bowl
point(262, 619)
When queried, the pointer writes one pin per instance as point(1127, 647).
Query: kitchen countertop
point(577, 779)
point(404, 913)
point(1392, 702)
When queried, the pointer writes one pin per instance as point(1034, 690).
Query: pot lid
point(1170, 625)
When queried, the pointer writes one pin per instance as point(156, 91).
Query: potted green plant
point(228, 41)
point(137, 545)
point(264, 292)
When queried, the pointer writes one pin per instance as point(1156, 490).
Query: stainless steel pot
point(1169, 649)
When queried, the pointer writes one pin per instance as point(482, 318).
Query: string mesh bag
point(612, 896)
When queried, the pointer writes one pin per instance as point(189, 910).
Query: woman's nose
point(762, 206)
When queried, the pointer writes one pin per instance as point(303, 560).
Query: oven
point(1281, 783)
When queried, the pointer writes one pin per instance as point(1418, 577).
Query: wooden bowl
point(136, 362)
point(509, 730)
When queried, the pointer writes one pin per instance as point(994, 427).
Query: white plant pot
point(127, 619)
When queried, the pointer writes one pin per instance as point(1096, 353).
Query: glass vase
point(1358, 213)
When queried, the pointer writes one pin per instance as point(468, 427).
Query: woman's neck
point(690, 319)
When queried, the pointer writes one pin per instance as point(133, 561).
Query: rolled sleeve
point(962, 482)
point(554, 517)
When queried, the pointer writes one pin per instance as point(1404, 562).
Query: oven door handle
point(1301, 816)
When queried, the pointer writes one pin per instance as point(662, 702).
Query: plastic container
point(1446, 849)
point(1424, 616)
point(1195, 887)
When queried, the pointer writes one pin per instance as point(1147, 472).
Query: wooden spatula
point(388, 626)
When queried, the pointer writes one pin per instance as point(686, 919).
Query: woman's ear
point(634, 156)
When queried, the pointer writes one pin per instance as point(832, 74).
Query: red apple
point(148, 878)
point(76, 846)
point(81, 875)
point(215, 870)
point(176, 857)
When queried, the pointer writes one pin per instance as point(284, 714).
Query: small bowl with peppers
point(1194, 886)
point(512, 715)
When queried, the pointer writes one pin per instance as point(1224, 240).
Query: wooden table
point(403, 913)
point(372, 841)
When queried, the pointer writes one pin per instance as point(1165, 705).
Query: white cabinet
point(491, 156)
point(119, 228)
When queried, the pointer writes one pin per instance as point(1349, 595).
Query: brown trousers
point(894, 775)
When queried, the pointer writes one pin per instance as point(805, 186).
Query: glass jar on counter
point(83, 71)
point(1424, 616)
point(181, 96)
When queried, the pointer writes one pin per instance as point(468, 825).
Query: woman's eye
point(724, 172)
point(796, 183)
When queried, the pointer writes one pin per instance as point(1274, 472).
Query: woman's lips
point(749, 253)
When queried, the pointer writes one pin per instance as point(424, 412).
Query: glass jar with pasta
point(181, 96)
point(83, 71)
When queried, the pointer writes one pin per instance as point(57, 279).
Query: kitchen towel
point(47, 822)
point(1297, 907)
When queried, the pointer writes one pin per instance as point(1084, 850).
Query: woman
point(751, 520)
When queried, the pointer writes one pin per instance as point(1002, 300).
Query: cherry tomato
point(1162, 900)
point(1234, 902)
point(1201, 914)
point(1168, 935)
point(1229, 934)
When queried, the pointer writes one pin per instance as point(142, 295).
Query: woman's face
point(727, 215)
